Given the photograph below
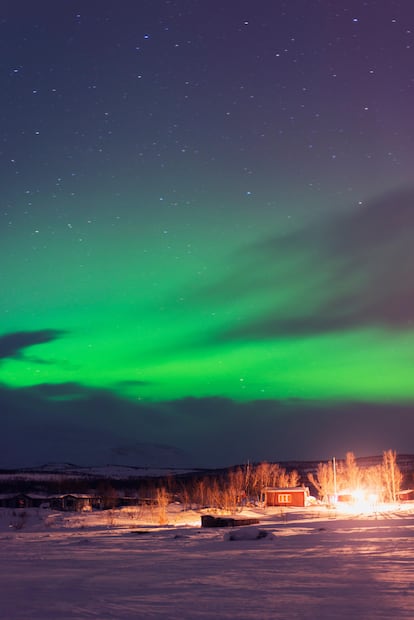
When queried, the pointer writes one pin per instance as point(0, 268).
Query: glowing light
point(358, 501)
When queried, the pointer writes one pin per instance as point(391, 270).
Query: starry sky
point(206, 225)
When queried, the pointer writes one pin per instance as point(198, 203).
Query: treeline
point(235, 487)
point(225, 490)
point(335, 478)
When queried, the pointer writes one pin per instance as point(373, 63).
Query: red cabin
point(297, 496)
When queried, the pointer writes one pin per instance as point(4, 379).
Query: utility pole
point(334, 475)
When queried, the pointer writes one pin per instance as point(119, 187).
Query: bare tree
point(323, 481)
point(213, 494)
point(392, 476)
point(349, 475)
point(373, 480)
point(236, 487)
point(259, 478)
point(283, 479)
point(185, 496)
point(162, 503)
point(293, 479)
point(275, 473)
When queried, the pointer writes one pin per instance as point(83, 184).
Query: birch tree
point(392, 476)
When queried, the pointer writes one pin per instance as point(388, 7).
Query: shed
point(75, 502)
point(22, 500)
point(406, 496)
point(210, 521)
point(10, 500)
point(275, 496)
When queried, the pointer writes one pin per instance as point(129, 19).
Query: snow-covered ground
point(55, 471)
point(313, 564)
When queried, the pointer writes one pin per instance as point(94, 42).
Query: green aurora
point(159, 319)
point(206, 230)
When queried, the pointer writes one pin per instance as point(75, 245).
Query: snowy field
point(311, 564)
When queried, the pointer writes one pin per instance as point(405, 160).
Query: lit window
point(284, 498)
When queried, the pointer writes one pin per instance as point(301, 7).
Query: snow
point(113, 565)
point(248, 533)
point(55, 471)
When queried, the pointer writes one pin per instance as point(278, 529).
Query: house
point(274, 496)
point(67, 502)
point(75, 502)
point(22, 500)
point(9, 500)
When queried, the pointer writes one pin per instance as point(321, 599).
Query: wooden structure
point(75, 502)
point(275, 496)
point(210, 521)
point(67, 502)
point(22, 500)
point(406, 496)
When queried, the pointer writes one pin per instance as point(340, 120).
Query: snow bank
point(248, 533)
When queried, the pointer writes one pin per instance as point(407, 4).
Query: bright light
point(358, 500)
point(358, 495)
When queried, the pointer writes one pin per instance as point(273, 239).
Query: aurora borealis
point(206, 230)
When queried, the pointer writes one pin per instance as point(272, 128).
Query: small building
point(75, 502)
point(22, 500)
point(274, 496)
point(10, 500)
point(406, 496)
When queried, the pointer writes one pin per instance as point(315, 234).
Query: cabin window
point(284, 498)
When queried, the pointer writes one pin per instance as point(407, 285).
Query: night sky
point(206, 230)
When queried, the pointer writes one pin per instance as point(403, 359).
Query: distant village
point(375, 480)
